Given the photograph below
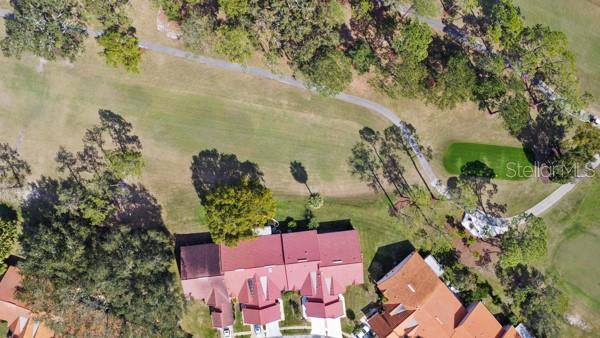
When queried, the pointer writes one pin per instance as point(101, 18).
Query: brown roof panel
point(410, 283)
point(8, 286)
point(200, 261)
point(480, 323)
point(384, 323)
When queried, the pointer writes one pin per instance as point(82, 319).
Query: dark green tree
point(234, 43)
point(577, 153)
point(330, 74)
point(298, 31)
point(13, 169)
point(8, 239)
point(362, 56)
point(454, 85)
point(98, 256)
point(233, 8)
point(47, 28)
point(234, 212)
point(514, 111)
point(525, 243)
point(121, 48)
point(412, 40)
point(537, 300)
point(505, 24)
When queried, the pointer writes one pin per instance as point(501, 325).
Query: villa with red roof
point(320, 266)
point(419, 304)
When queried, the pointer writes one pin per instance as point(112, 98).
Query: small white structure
point(482, 225)
point(522, 330)
point(434, 265)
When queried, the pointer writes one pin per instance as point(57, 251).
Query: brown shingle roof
point(410, 283)
point(384, 323)
point(479, 322)
point(200, 261)
point(431, 309)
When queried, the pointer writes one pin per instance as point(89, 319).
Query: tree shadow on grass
point(387, 257)
point(299, 174)
point(211, 169)
point(7, 212)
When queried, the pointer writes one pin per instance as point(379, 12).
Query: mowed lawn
point(508, 163)
point(579, 19)
point(179, 108)
point(574, 226)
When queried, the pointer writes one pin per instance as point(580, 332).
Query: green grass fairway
point(580, 20)
point(505, 161)
point(574, 226)
point(179, 108)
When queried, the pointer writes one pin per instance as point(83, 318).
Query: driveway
point(272, 330)
point(326, 327)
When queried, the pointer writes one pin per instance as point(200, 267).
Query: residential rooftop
point(419, 304)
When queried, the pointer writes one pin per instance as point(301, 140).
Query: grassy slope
point(579, 20)
point(505, 161)
point(574, 249)
point(179, 108)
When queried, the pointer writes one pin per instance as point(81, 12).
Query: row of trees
point(57, 29)
point(512, 77)
point(98, 257)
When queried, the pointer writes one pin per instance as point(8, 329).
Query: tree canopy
point(330, 74)
point(234, 212)
point(55, 29)
point(48, 28)
point(412, 40)
point(234, 43)
point(98, 255)
point(524, 244)
point(13, 169)
point(121, 48)
point(515, 113)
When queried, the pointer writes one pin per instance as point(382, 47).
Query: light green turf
point(505, 161)
point(580, 20)
point(574, 226)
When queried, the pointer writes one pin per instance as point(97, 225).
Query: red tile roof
point(263, 315)
point(222, 317)
point(318, 309)
point(316, 286)
point(257, 252)
point(300, 247)
point(256, 272)
point(342, 247)
point(200, 261)
point(259, 291)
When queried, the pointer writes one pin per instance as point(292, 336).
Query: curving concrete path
point(436, 24)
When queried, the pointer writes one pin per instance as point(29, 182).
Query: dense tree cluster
point(99, 260)
point(55, 29)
